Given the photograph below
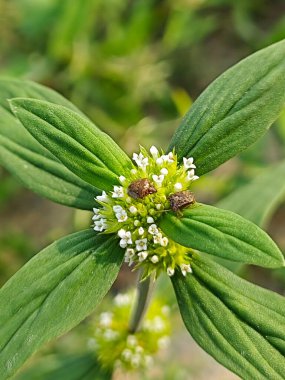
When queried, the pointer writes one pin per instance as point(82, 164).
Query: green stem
point(144, 292)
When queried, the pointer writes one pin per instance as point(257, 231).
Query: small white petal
point(141, 244)
point(136, 223)
point(158, 178)
point(154, 259)
point(164, 171)
point(164, 242)
point(185, 268)
point(133, 209)
point(117, 208)
point(122, 179)
point(188, 163)
point(142, 255)
point(141, 231)
point(122, 233)
point(118, 192)
point(158, 206)
point(149, 220)
point(159, 161)
point(103, 197)
point(152, 229)
point(178, 186)
point(170, 271)
point(105, 319)
point(157, 238)
point(154, 151)
point(191, 175)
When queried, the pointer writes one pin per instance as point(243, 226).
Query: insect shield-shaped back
point(141, 188)
point(181, 199)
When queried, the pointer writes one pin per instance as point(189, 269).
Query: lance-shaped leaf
point(53, 292)
point(241, 325)
point(222, 233)
point(24, 157)
point(257, 200)
point(234, 111)
point(72, 367)
point(74, 140)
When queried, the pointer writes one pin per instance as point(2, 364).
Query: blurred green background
point(135, 67)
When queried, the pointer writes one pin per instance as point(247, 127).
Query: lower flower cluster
point(155, 185)
point(116, 347)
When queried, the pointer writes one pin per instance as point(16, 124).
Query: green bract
point(59, 153)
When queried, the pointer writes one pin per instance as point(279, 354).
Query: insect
point(141, 188)
point(181, 200)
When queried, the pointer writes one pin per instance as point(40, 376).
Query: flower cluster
point(116, 347)
point(133, 209)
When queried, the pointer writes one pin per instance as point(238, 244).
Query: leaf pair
point(62, 284)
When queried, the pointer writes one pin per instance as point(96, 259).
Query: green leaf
point(72, 367)
point(234, 111)
point(222, 233)
point(53, 292)
point(240, 324)
point(24, 157)
point(264, 193)
point(74, 140)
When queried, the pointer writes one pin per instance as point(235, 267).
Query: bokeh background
point(135, 67)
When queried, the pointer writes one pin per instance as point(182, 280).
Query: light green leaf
point(74, 140)
point(72, 367)
point(257, 200)
point(234, 111)
point(24, 157)
point(222, 233)
point(53, 292)
point(240, 324)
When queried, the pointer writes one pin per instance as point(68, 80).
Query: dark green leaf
point(257, 200)
point(74, 140)
point(222, 233)
point(24, 157)
point(56, 367)
point(234, 111)
point(53, 292)
point(241, 325)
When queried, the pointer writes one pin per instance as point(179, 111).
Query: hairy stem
point(144, 292)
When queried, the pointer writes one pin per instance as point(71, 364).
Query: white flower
point(158, 206)
point(136, 360)
point(96, 215)
point(142, 255)
point(136, 223)
point(110, 334)
point(164, 171)
point(117, 208)
point(122, 299)
point(154, 152)
point(191, 175)
point(188, 163)
point(159, 161)
point(121, 216)
point(157, 238)
point(118, 192)
point(133, 209)
point(158, 324)
point(153, 230)
point(149, 220)
point(100, 225)
point(141, 231)
point(158, 178)
point(170, 271)
point(163, 342)
point(127, 354)
point(178, 186)
point(103, 197)
point(132, 341)
point(105, 319)
point(141, 244)
point(140, 160)
point(154, 259)
point(126, 238)
point(129, 254)
point(185, 268)
point(122, 179)
point(168, 158)
point(164, 241)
